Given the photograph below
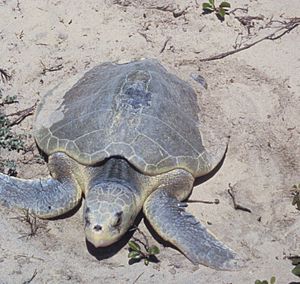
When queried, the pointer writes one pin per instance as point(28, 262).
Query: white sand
point(256, 93)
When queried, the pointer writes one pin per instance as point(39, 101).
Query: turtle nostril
point(97, 228)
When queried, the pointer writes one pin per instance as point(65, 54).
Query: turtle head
point(110, 209)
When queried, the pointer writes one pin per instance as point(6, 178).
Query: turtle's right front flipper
point(45, 198)
point(181, 229)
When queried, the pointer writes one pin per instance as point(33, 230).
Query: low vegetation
point(272, 281)
point(296, 262)
point(296, 194)
point(9, 140)
point(220, 10)
point(145, 252)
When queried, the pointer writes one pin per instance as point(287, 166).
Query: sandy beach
point(252, 96)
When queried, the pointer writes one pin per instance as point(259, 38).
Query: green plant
point(148, 254)
point(272, 281)
point(11, 167)
point(296, 261)
point(9, 100)
point(34, 223)
point(296, 194)
point(8, 139)
point(221, 10)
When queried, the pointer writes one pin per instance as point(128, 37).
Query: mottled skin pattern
point(126, 138)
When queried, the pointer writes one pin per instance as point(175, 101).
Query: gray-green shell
point(136, 110)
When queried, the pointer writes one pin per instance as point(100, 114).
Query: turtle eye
point(118, 219)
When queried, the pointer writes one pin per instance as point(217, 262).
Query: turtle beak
point(98, 237)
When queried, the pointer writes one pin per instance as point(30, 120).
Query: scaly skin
point(46, 198)
point(184, 231)
point(115, 193)
point(147, 116)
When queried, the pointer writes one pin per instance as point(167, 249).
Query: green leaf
point(146, 261)
point(153, 250)
point(221, 12)
point(134, 254)
point(207, 6)
point(265, 282)
point(296, 260)
point(212, 2)
point(296, 270)
point(225, 5)
point(257, 282)
point(134, 246)
point(273, 279)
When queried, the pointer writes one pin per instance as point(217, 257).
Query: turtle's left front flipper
point(45, 198)
point(181, 229)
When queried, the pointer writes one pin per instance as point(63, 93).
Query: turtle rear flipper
point(45, 198)
point(182, 229)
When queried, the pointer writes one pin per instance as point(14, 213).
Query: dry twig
point(146, 243)
point(165, 44)
point(164, 8)
point(248, 21)
point(288, 26)
point(22, 114)
point(170, 8)
point(51, 69)
point(235, 205)
point(30, 219)
point(216, 201)
point(32, 277)
point(138, 277)
point(4, 75)
point(245, 10)
point(145, 36)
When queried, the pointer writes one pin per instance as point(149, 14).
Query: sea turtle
point(126, 137)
